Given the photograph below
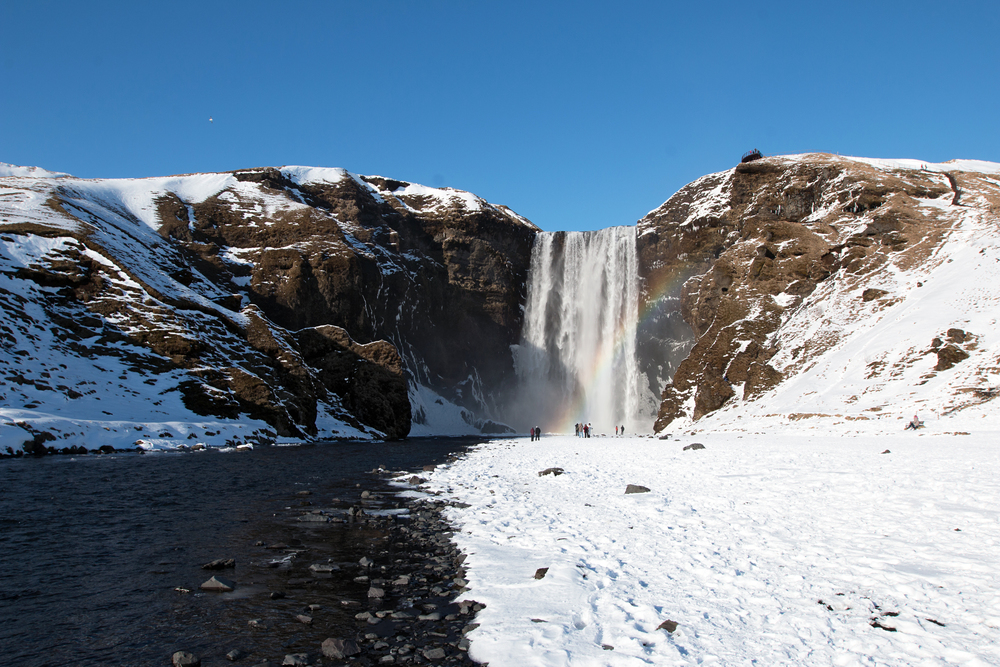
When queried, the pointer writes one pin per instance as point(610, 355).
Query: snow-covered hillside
point(845, 290)
point(170, 311)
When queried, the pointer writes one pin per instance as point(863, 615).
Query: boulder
point(694, 446)
point(434, 653)
point(338, 649)
point(296, 660)
point(184, 659)
point(220, 564)
point(218, 584)
point(635, 488)
point(667, 625)
point(541, 572)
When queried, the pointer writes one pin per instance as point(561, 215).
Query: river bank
point(101, 558)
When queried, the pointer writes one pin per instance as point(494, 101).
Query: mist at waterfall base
point(576, 361)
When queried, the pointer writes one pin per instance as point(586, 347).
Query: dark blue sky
point(578, 115)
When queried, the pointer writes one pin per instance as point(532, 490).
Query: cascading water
point(576, 361)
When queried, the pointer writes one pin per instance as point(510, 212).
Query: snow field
point(766, 550)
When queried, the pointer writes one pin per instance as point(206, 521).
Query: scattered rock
point(365, 495)
point(296, 659)
point(540, 572)
point(376, 592)
point(323, 568)
point(871, 294)
point(887, 452)
point(948, 356)
point(434, 653)
point(555, 472)
point(636, 488)
point(220, 564)
point(184, 659)
point(277, 595)
point(607, 647)
point(694, 446)
point(417, 480)
point(303, 493)
point(667, 625)
point(218, 584)
point(235, 655)
point(302, 618)
point(340, 648)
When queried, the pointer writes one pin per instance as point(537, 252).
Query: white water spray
point(576, 361)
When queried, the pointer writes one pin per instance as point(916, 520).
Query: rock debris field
point(394, 605)
point(752, 550)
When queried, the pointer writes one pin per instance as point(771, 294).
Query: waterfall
point(576, 360)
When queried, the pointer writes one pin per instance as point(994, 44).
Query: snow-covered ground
point(764, 549)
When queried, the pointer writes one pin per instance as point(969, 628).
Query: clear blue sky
point(578, 115)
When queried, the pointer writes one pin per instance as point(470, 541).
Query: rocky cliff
point(781, 265)
point(291, 302)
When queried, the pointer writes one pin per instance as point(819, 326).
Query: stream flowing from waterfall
point(576, 360)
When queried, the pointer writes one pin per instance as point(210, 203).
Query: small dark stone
point(184, 659)
point(693, 446)
point(887, 452)
point(277, 595)
point(235, 655)
point(340, 648)
point(635, 488)
point(540, 572)
point(434, 653)
point(668, 625)
point(607, 647)
point(555, 472)
point(220, 564)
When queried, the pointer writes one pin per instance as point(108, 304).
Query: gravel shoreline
point(366, 578)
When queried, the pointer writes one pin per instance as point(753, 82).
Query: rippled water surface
point(93, 547)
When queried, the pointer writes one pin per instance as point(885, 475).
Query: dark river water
point(93, 548)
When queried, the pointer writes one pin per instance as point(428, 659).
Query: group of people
point(582, 431)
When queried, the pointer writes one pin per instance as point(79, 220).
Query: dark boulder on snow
point(948, 356)
point(693, 446)
point(636, 488)
point(667, 625)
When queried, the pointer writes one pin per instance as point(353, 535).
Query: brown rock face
point(739, 248)
point(281, 297)
point(438, 273)
point(368, 379)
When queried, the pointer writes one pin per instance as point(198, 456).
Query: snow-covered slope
point(835, 290)
point(177, 310)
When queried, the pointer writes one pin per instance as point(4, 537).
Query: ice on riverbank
point(787, 549)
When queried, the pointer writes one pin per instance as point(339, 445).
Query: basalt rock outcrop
point(746, 249)
point(306, 302)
